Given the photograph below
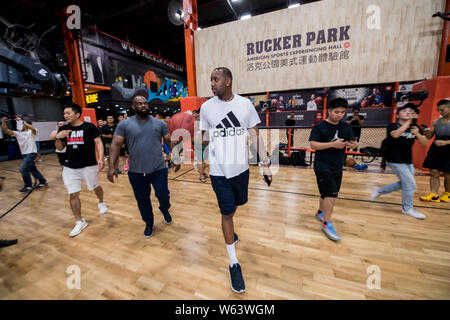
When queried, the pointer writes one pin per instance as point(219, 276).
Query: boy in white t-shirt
point(26, 137)
point(229, 119)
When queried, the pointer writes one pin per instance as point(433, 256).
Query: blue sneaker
point(237, 281)
point(329, 231)
point(320, 216)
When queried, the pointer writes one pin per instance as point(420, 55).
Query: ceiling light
point(294, 5)
point(245, 17)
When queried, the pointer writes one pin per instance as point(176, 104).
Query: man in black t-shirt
point(80, 164)
point(290, 122)
point(329, 139)
point(401, 137)
point(107, 133)
point(356, 121)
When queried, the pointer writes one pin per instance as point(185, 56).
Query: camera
point(15, 125)
point(411, 96)
point(6, 114)
point(21, 76)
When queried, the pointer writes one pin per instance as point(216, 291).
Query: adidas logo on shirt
point(228, 127)
point(228, 132)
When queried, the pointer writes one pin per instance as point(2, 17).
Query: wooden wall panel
point(406, 47)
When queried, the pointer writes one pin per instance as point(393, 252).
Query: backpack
point(371, 151)
point(384, 147)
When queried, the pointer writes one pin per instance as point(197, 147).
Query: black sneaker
point(118, 171)
point(25, 189)
point(6, 243)
point(167, 217)
point(148, 232)
point(40, 185)
point(237, 281)
point(236, 239)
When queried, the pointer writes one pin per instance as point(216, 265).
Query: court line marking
point(318, 196)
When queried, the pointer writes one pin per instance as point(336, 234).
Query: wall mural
point(107, 63)
point(170, 90)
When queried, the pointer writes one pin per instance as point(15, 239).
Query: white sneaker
point(102, 208)
point(79, 226)
point(414, 213)
point(375, 194)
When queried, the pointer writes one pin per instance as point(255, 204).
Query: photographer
point(290, 122)
point(438, 157)
point(26, 137)
point(401, 137)
point(356, 121)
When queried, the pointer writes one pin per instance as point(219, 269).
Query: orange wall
point(191, 103)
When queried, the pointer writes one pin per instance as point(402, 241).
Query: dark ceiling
point(144, 23)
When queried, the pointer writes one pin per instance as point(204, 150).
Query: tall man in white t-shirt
point(26, 137)
point(229, 119)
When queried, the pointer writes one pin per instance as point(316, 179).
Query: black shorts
point(438, 158)
point(231, 192)
point(329, 183)
point(107, 146)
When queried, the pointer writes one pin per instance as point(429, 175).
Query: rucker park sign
point(297, 40)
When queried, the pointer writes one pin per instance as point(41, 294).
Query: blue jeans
point(140, 183)
point(28, 166)
point(405, 172)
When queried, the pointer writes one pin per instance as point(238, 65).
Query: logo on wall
point(297, 50)
point(171, 90)
point(151, 85)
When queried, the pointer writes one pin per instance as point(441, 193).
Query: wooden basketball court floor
point(283, 253)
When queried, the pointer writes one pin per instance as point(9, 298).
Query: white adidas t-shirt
point(227, 123)
point(27, 141)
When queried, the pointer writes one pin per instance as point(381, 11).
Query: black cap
point(443, 102)
point(408, 105)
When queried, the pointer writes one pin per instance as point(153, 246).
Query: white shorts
point(74, 177)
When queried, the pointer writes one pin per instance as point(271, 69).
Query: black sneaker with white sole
point(236, 239)
point(6, 243)
point(237, 281)
point(148, 232)
point(40, 185)
point(167, 217)
point(25, 189)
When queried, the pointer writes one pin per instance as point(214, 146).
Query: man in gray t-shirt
point(142, 135)
point(143, 140)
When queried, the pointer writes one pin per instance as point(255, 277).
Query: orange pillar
point(444, 67)
point(190, 8)
point(74, 63)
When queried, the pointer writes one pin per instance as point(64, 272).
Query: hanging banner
point(327, 43)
